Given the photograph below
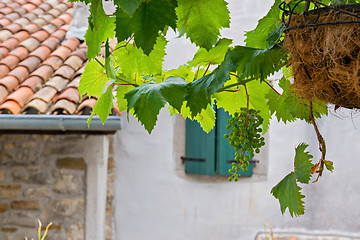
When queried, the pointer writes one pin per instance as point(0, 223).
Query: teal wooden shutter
point(225, 153)
point(199, 150)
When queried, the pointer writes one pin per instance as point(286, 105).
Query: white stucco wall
point(154, 200)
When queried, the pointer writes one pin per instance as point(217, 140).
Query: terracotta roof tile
point(34, 82)
point(74, 83)
point(3, 52)
point(31, 28)
point(71, 94)
point(44, 72)
point(30, 44)
point(63, 106)
point(20, 72)
point(62, 7)
point(11, 106)
point(41, 52)
point(40, 35)
point(71, 43)
point(45, 6)
point(65, 71)
point(6, 10)
point(4, 22)
point(14, 27)
point(55, 12)
point(54, 61)
point(10, 61)
point(58, 83)
point(51, 42)
point(80, 52)
point(20, 52)
point(22, 21)
point(5, 34)
point(58, 22)
point(21, 95)
point(31, 63)
point(29, 7)
point(38, 105)
point(21, 35)
point(47, 17)
point(12, 16)
point(74, 62)
point(39, 70)
point(4, 70)
point(10, 82)
point(45, 94)
point(3, 93)
point(30, 16)
point(39, 22)
point(10, 43)
point(38, 11)
point(86, 106)
point(61, 52)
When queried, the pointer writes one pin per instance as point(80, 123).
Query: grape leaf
point(129, 6)
point(329, 165)
point(202, 20)
point(103, 105)
point(109, 63)
point(303, 164)
point(101, 27)
point(289, 195)
point(288, 106)
point(214, 56)
point(183, 71)
point(259, 63)
point(149, 19)
point(144, 65)
point(93, 79)
point(148, 98)
point(257, 38)
point(200, 91)
point(120, 96)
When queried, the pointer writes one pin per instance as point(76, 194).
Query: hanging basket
point(324, 47)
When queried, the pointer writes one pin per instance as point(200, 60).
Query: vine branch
point(319, 167)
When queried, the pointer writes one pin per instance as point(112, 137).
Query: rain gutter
point(58, 123)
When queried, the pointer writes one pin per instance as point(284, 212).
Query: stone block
point(8, 194)
point(76, 231)
point(40, 178)
point(35, 193)
point(2, 175)
point(3, 207)
point(63, 148)
point(67, 207)
point(26, 205)
point(71, 163)
point(29, 144)
point(10, 186)
point(66, 184)
point(19, 174)
point(9, 229)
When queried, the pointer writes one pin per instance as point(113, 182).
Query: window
point(210, 153)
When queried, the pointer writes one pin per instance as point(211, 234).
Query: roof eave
point(58, 123)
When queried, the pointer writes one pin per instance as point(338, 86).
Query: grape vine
point(131, 75)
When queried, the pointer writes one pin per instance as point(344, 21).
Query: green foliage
point(150, 97)
point(287, 191)
point(101, 27)
point(132, 74)
point(201, 20)
point(258, 38)
point(288, 107)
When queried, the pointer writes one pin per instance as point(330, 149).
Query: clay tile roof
point(40, 69)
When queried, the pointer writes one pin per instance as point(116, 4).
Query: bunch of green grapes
point(245, 137)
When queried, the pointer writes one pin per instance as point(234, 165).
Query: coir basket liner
point(325, 54)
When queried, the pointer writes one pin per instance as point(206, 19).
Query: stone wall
point(43, 177)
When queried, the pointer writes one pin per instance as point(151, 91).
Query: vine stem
point(271, 86)
point(243, 82)
point(101, 64)
point(322, 144)
point(207, 69)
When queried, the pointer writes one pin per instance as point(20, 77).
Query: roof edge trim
point(62, 123)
